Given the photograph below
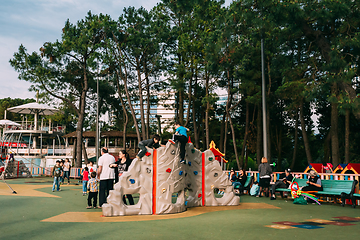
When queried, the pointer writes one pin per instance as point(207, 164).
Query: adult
point(106, 175)
point(121, 166)
point(314, 182)
point(67, 167)
point(284, 182)
point(264, 174)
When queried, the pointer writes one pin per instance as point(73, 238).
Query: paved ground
point(38, 213)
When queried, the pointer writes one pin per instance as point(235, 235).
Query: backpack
point(254, 190)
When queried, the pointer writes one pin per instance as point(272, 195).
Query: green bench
point(300, 182)
point(333, 188)
point(353, 196)
point(245, 187)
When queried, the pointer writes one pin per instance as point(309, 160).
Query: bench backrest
point(346, 186)
point(301, 182)
point(248, 181)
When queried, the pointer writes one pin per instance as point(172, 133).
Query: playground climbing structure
point(160, 175)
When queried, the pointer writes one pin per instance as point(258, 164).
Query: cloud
point(33, 22)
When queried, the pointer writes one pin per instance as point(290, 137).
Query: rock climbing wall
point(159, 177)
point(17, 169)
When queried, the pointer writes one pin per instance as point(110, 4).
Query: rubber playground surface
point(36, 212)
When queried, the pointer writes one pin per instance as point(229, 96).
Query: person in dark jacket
point(265, 172)
point(121, 166)
point(150, 143)
point(314, 182)
point(284, 182)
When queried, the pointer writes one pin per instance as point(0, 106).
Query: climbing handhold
point(215, 174)
point(148, 170)
point(173, 152)
point(147, 154)
point(199, 196)
point(168, 170)
point(171, 141)
point(211, 158)
point(212, 186)
point(186, 203)
point(181, 173)
point(196, 172)
point(189, 163)
point(132, 181)
point(163, 190)
point(193, 150)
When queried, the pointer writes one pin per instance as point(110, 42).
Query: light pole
point(97, 120)
point(263, 99)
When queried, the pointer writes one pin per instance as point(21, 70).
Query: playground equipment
point(340, 167)
point(160, 175)
point(352, 168)
point(319, 168)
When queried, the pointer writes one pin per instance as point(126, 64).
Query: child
point(56, 173)
point(85, 175)
point(151, 143)
point(92, 186)
point(255, 189)
point(62, 166)
point(181, 136)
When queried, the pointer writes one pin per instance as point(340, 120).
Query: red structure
point(353, 168)
point(218, 155)
point(319, 167)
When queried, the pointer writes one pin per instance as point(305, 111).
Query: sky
point(34, 22)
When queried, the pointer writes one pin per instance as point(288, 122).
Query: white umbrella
point(34, 108)
point(8, 123)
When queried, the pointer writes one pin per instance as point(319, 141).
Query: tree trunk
point(268, 133)
point(74, 153)
point(148, 105)
point(196, 134)
point(279, 148)
point(258, 136)
point(334, 128)
point(347, 135)
point(124, 78)
point(141, 101)
point(207, 130)
point(295, 139)
point(304, 133)
point(124, 112)
point(327, 148)
point(234, 141)
point(86, 160)
point(222, 133)
point(245, 135)
point(80, 123)
point(190, 100)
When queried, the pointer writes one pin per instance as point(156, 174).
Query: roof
point(355, 167)
point(318, 167)
point(218, 155)
point(92, 134)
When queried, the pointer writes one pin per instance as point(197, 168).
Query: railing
point(46, 171)
point(29, 125)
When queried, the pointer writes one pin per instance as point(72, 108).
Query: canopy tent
point(34, 108)
point(6, 122)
